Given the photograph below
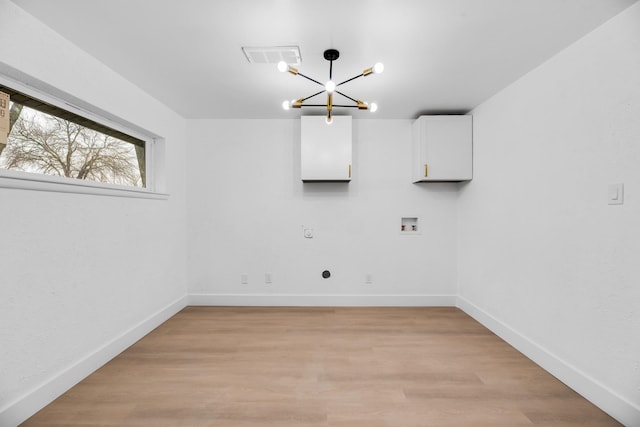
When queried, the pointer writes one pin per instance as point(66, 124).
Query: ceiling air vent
point(273, 54)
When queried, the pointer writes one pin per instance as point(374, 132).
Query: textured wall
point(540, 248)
point(77, 271)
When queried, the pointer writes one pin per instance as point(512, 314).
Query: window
point(46, 139)
point(53, 141)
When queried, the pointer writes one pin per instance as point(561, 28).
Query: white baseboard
point(618, 407)
point(323, 300)
point(31, 402)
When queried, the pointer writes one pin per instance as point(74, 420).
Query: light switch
point(616, 194)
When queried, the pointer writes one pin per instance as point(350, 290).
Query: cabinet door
point(443, 148)
point(326, 149)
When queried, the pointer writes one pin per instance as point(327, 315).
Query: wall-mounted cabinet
point(443, 148)
point(326, 149)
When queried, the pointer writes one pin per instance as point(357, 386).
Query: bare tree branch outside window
point(42, 143)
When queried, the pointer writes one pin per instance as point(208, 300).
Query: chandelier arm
point(309, 78)
point(347, 96)
point(311, 96)
point(348, 80)
point(324, 105)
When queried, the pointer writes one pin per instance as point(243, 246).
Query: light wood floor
point(369, 367)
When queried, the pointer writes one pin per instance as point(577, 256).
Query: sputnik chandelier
point(330, 87)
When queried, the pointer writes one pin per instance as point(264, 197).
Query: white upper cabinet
point(443, 148)
point(326, 148)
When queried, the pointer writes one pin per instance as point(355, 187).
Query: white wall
point(81, 276)
point(540, 251)
point(247, 207)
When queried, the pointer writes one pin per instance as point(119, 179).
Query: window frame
point(12, 179)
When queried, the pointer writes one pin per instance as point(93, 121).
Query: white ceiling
point(439, 55)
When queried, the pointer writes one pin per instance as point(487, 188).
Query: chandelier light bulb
point(330, 86)
point(285, 105)
point(378, 68)
point(328, 120)
point(373, 107)
point(282, 66)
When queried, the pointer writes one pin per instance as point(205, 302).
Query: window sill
point(27, 181)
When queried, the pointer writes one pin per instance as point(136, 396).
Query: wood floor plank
point(320, 367)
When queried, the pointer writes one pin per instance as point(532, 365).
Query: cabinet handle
point(426, 170)
point(349, 171)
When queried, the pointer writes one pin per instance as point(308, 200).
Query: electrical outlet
point(244, 279)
